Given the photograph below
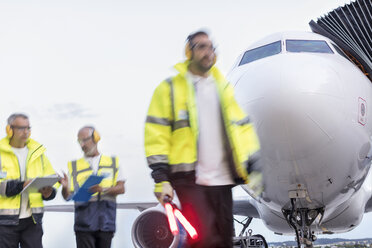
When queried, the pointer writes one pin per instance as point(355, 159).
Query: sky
point(76, 62)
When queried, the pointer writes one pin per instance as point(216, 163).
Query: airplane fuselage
point(311, 111)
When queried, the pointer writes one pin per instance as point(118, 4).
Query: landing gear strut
point(248, 241)
point(300, 219)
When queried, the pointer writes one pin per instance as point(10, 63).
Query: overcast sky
point(73, 62)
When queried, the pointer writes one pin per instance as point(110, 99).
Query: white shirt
point(94, 163)
point(21, 154)
point(212, 165)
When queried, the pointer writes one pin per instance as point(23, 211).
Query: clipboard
point(40, 182)
point(83, 194)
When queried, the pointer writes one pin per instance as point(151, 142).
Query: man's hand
point(26, 183)
point(65, 186)
point(163, 189)
point(96, 188)
point(115, 190)
point(64, 180)
point(46, 191)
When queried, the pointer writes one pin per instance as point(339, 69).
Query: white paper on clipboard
point(40, 182)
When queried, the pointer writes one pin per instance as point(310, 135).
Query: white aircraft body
point(312, 110)
point(311, 107)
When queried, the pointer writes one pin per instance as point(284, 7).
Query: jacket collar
point(31, 144)
point(182, 68)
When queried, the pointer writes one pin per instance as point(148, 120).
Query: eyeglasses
point(82, 141)
point(22, 128)
point(203, 47)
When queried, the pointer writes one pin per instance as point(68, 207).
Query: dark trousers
point(26, 233)
point(209, 210)
point(96, 239)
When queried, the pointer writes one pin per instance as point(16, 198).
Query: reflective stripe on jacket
point(99, 213)
point(37, 165)
point(171, 129)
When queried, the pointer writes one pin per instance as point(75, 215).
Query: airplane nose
point(295, 104)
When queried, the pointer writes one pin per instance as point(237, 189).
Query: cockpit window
point(308, 46)
point(261, 52)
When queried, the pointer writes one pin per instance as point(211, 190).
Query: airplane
point(310, 106)
point(310, 102)
point(309, 97)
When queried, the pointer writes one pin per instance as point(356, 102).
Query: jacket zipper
point(26, 168)
point(20, 179)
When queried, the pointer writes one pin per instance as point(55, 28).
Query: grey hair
point(14, 116)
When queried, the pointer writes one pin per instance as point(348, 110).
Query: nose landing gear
point(300, 219)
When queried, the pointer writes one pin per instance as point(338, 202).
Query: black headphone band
point(191, 36)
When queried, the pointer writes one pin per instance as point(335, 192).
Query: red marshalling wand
point(172, 213)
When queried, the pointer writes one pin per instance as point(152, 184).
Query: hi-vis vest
point(171, 129)
point(80, 170)
point(37, 165)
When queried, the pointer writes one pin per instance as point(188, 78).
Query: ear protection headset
point(9, 132)
point(9, 129)
point(189, 46)
point(95, 135)
point(188, 50)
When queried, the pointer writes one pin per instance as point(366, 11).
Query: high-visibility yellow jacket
point(80, 170)
point(99, 213)
point(37, 165)
point(171, 129)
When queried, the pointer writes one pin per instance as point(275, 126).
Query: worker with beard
point(200, 143)
point(94, 220)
